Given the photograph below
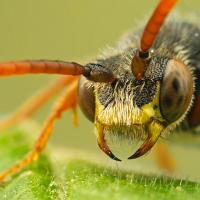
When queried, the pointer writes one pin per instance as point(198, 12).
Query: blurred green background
point(73, 30)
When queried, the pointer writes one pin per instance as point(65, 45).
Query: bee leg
point(164, 158)
point(64, 103)
point(36, 101)
point(75, 115)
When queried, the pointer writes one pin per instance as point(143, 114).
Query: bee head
point(150, 94)
point(142, 108)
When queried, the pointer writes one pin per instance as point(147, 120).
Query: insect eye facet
point(176, 90)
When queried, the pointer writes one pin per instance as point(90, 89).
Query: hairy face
point(140, 109)
point(123, 103)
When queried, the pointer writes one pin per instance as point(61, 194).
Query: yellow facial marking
point(127, 114)
point(150, 110)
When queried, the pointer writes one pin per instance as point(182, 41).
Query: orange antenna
point(150, 32)
point(56, 67)
point(156, 21)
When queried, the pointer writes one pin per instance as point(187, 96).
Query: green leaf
point(88, 181)
point(81, 180)
point(34, 182)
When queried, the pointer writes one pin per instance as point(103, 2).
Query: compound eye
point(176, 91)
point(86, 98)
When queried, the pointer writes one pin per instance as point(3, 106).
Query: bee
point(142, 90)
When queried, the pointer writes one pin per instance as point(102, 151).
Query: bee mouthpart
point(153, 128)
point(102, 142)
point(154, 131)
